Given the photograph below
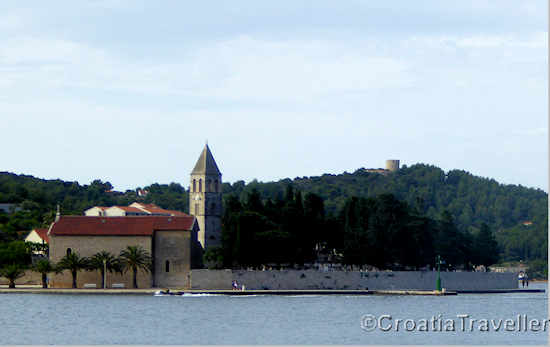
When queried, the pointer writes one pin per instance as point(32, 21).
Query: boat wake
point(160, 293)
point(199, 294)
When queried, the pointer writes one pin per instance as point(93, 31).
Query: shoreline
point(152, 291)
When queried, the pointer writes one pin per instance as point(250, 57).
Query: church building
point(176, 241)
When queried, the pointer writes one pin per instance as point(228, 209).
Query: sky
point(130, 91)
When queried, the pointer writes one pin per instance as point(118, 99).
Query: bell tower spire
point(205, 198)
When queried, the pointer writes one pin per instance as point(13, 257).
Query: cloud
point(111, 4)
point(541, 131)
point(253, 69)
point(298, 70)
point(273, 73)
point(331, 99)
point(10, 22)
point(530, 40)
point(239, 69)
point(32, 51)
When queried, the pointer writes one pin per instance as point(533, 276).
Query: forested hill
point(470, 199)
point(517, 214)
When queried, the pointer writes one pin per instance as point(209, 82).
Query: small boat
point(164, 293)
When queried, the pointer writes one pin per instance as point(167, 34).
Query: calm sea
point(126, 319)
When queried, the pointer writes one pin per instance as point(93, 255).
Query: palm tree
point(74, 263)
point(104, 260)
point(43, 267)
point(135, 257)
point(12, 272)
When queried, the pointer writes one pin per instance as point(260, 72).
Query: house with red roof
point(135, 209)
point(38, 236)
point(154, 210)
point(120, 211)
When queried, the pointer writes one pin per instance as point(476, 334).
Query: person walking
point(521, 277)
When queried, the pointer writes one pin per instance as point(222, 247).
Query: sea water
point(263, 319)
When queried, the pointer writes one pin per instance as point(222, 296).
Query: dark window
point(200, 185)
point(194, 185)
point(167, 266)
point(208, 186)
point(217, 185)
point(69, 251)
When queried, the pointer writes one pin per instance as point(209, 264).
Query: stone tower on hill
point(205, 199)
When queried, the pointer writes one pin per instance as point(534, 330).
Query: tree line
point(381, 231)
point(471, 201)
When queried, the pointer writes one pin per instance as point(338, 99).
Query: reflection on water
point(133, 319)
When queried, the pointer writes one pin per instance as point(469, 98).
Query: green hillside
point(430, 191)
point(471, 200)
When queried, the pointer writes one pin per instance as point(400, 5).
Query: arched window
point(167, 265)
point(194, 185)
point(208, 186)
point(69, 251)
point(217, 186)
point(200, 185)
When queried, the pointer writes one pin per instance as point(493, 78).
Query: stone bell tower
point(205, 199)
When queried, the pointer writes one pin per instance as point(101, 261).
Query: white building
point(38, 236)
point(96, 211)
point(135, 209)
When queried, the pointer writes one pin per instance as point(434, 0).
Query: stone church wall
point(172, 252)
point(87, 246)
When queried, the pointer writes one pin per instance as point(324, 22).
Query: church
point(175, 241)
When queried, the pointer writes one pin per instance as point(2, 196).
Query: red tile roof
point(43, 233)
point(152, 208)
point(177, 213)
point(122, 226)
point(147, 205)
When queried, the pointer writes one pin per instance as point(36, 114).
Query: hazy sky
point(129, 91)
